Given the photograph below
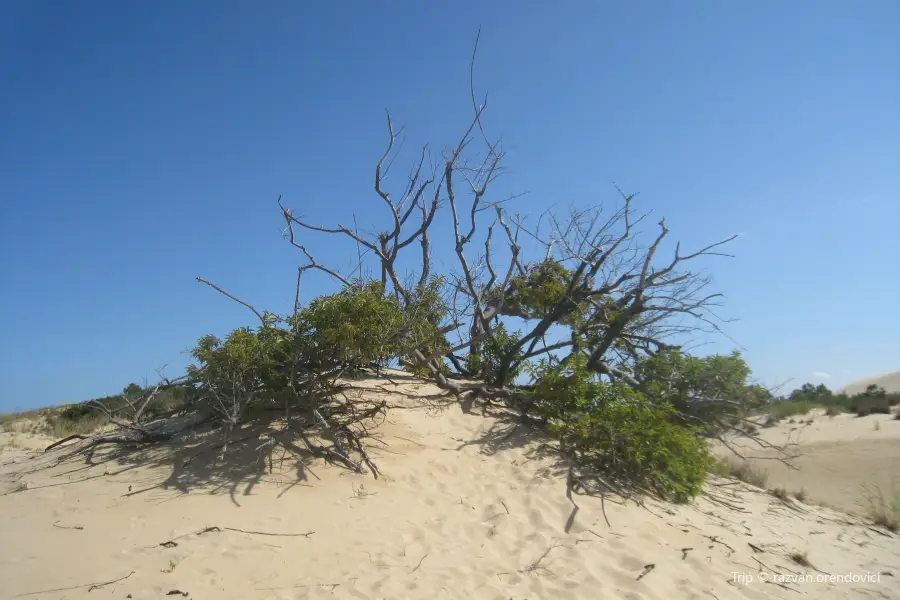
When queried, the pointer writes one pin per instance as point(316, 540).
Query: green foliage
point(791, 408)
point(875, 391)
point(612, 429)
point(359, 326)
point(243, 369)
point(538, 292)
point(809, 396)
point(815, 394)
point(423, 315)
point(708, 390)
point(488, 361)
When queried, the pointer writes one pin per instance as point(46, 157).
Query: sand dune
point(889, 381)
point(837, 457)
point(467, 507)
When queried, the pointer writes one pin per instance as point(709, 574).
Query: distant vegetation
point(87, 417)
point(808, 397)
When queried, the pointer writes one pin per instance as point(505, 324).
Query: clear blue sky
point(144, 143)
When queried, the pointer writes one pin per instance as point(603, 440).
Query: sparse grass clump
point(16, 421)
point(801, 495)
point(801, 558)
point(881, 508)
point(780, 493)
point(742, 470)
point(15, 443)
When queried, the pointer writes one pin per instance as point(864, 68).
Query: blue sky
point(145, 143)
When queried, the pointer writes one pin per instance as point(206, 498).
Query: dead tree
point(620, 301)
point(585, 283)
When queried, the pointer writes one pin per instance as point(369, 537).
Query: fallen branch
point(645, 572)
point(57, 443)
point(90, 586)
point(421, 560)
point(215, 529)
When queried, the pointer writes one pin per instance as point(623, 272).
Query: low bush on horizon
point(791, 408)
point(808, 397)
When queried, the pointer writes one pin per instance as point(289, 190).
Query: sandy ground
point(467, 507)
point(839, 459)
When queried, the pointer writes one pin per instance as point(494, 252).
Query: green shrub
point(486, 363)
point(361, 326)
point(612, 430)
point(873, 404)
point(358, 326)
point(693, 385)
point(339, 334)
point(538, 292)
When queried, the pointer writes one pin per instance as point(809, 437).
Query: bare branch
point(238, 300)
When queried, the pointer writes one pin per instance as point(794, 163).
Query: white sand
point(466, 508)
point(838, 457)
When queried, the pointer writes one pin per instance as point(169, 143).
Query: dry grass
point(881, 508)
point(18, 421)
point(50, 422)
point(742, 470)
point(14, 442)
point(780, 493)
point(801, 559)
point(59, 428)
